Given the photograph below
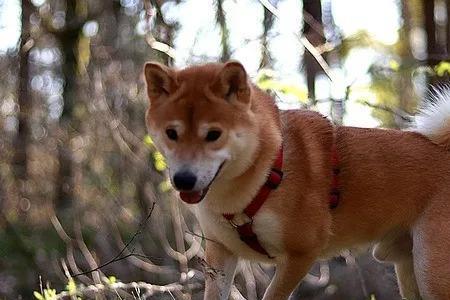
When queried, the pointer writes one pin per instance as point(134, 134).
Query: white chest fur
point(265, 225)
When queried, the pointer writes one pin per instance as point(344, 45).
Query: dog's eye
point(213, 135)
point(172, 134)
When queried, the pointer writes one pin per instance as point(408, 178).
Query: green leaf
point(38, 295)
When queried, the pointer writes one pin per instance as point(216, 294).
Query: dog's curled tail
point(433, 120)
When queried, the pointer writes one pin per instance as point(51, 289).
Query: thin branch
point(403, 115)
point(120, 255)
point(304, 41)
point(147, 264)
point(312, 22)
point(160, 46)
point(200, 236)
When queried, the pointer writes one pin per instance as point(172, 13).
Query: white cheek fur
point(207, 168)
point(242, 149)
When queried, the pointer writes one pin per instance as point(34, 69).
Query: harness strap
point(245, 230)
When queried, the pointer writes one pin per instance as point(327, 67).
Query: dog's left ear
point(232, 84)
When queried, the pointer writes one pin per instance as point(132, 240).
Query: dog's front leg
point(220, 269)
point(287, 275)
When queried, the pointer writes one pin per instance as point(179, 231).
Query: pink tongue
point(191, 197)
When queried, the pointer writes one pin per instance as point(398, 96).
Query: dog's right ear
point(160, 80)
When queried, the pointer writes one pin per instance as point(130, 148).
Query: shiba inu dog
point(288, 187)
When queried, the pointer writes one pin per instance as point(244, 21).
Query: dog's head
point(201, 119)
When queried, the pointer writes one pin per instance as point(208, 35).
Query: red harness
point(245, 230)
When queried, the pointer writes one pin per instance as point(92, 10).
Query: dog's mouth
point(197, 196)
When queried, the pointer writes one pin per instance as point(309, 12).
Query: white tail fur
point(433, 120)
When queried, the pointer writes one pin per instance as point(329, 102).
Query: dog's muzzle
point(192, 197)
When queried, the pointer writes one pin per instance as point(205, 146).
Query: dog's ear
point(160, 80)
point(232, 84)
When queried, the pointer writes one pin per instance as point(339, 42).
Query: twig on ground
point(150, 289)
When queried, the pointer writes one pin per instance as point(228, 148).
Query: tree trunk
point(404, 82)
point(220, 18)
point(447, 4)
point(23, 97)
point(266, 59)
point(68, 40)
point(436, 51)
point(313, 31)
point(430, 29)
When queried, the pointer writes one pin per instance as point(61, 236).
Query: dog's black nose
point(184, 180)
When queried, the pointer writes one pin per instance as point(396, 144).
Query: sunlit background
point(199, 40)
point(79, 174)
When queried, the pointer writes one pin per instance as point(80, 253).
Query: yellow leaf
point(158, 155)
point(50, 294)
point(71, 287)
point(160, 162)
point(148, 140)
point(112, 279)
point(286, 88)
point(160, 165)
point(84, 54)
point(394, 65)
point(442, 68)
point(38, 295)
point(165, 186)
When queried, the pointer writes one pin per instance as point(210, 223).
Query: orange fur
point(395, 186)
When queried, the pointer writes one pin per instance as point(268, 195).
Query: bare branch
point(304, 41)
point(120, 255)
point(401, 114)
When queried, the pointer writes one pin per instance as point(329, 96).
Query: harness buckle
point(235, 225)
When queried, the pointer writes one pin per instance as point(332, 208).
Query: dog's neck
point(233, 195)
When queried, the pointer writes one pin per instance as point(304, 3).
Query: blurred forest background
point(80, 182)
